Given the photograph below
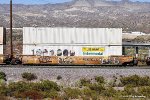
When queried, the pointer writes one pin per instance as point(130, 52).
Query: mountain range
point(131, 16)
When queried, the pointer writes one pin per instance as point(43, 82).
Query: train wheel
point(7, 61)
point(124, 64)
point(13, 62)
point(18, 62)
point(135, 62)
point(148, 63)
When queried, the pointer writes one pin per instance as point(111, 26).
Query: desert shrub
point(32, 94)
point(88, 94)
point(120, 84)
point(84, 82)
point(53, 94)
point(145, 90)
point(130, 80)
point(29, 76)
point(32, 90)
point(112, 83)
point(47, 85)
point(97, 87)
point(44, 89)
point(100, 79)
point(3, 90)
point(2, 97)
point(129, 90)
point(144, 81)
point(59, 77)
point(17, 94)
point(18, 87)
point(2, 82)
point(135, 80)
point(72, 93)
point(3, 76)
point(109, 92)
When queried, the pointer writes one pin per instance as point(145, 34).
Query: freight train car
point(2, 41)
point(73, 46)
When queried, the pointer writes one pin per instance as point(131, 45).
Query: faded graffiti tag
point(45, 59)
point(65, 60)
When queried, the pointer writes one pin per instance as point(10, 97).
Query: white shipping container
point(1, 35)
point(92, 36)
point(69, 50)
point(1, 49)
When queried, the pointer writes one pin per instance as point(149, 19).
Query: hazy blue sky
point(45, 1)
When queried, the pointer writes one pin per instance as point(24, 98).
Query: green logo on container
point(92, 53)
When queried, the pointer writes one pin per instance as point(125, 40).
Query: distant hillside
point(131, 16)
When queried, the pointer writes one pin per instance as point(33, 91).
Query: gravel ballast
point(72, 75)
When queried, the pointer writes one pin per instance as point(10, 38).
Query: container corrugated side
point(1, 35)
point(108, 36)
point(1, 49)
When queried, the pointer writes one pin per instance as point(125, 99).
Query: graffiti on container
point(65, 52)
point(42, 52)
point(59, 52)
point(65, 60)
point(39, 52)
point(45, 59)
point(52, 52)
point(110, 60)
point(72, 53)
point(45, 51)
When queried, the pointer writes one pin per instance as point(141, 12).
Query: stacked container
point(1, 40)
point(72, 41)
point(1, 45)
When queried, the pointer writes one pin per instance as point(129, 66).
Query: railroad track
point(70, 66)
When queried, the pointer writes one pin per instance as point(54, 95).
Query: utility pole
point(11, 45)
